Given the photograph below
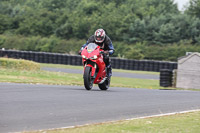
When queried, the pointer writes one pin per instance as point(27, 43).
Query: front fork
point(93, 71)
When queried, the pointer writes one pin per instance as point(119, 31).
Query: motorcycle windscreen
point(91, 47)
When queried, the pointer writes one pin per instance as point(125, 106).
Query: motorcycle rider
point(101, 39)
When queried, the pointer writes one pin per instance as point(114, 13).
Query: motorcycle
point(94, 67)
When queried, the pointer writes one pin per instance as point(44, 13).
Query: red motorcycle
point(94, 67)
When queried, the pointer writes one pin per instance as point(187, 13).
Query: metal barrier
point(57, 58)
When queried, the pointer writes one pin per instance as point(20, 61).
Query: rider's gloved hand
point(106, 52)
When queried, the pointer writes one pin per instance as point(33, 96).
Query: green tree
point(194, 8)
point(135, 51)
point(53, 5)
point(167, 34)
point(34, 25)
point(5, 23)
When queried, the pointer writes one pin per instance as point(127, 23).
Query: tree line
point(139, 29)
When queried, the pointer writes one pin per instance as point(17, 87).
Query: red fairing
point(94, 60)
point(102, 72)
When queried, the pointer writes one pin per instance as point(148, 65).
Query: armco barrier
point(57, 58)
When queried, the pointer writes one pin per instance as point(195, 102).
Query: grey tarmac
point(26, 107)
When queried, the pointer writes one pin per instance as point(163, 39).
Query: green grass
point(19, 64)
point(61, 66)
point(135, 83)
point(81, 67)
point(41, 77)
point(59, 78)
point(179, 123)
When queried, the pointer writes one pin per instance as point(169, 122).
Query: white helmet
point(99, 35)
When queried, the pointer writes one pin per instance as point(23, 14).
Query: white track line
point(144, 117)
point(166, 114)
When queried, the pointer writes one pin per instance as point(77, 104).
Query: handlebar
point(101, 52)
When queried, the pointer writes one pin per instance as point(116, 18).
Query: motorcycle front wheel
point(88, 82)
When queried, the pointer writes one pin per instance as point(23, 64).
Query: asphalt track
point(114, 74)
point(25, 107)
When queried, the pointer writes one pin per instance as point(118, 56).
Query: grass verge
point(81, 68)
point(179, 123)
point(58, 78)
point(39, 77)
point(19, 64)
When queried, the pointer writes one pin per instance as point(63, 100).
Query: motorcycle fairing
point(89, 52)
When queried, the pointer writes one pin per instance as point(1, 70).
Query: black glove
point(106, 52)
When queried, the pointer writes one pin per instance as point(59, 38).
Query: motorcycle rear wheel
point(88, 82)
point(105, 85)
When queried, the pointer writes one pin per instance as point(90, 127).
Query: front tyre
point(88, 82)
point(105, 85)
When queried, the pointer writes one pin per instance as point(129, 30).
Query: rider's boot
point(109, 71)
